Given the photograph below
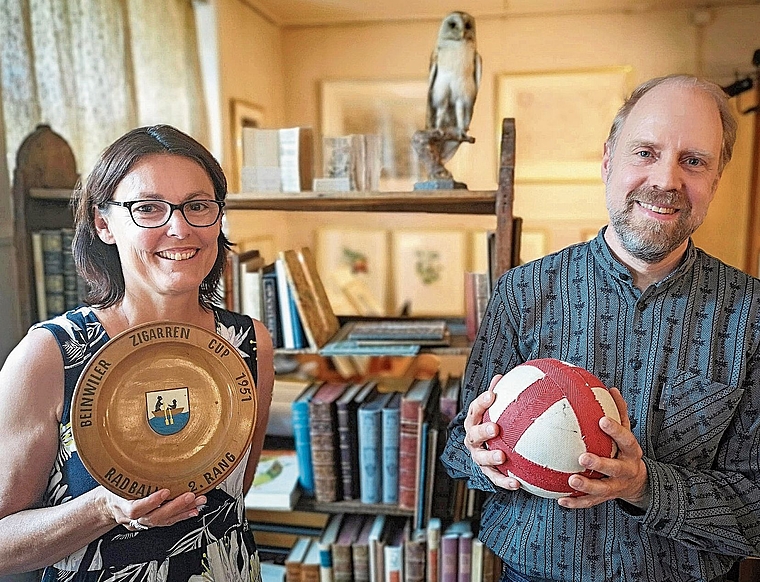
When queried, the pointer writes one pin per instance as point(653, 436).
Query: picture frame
point(242, 114)
point(562, 120)
point(392, 109)
point(428, 272)
point(353, 265)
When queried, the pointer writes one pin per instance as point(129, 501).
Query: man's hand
point(626, 475)
point(478, 432)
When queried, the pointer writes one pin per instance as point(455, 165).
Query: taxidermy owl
point(455, 69)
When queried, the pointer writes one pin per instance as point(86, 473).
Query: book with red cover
point(433, 573)
point(415, 406)
point(325, 452)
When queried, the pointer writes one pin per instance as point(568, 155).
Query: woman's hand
point(153, 510)
point(478, 432)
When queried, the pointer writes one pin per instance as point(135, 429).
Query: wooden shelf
point(432, 201)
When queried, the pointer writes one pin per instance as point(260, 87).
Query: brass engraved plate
point(164, 404)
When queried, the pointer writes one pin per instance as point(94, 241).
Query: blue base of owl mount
point(440, 185)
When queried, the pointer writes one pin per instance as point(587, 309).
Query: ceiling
point(327, 12)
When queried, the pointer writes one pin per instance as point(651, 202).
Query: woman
point(148, 241)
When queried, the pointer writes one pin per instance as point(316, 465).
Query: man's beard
point(649, 240)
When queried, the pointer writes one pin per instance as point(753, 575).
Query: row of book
point(57, 286)
point(361, 548)
point(373, 443)
point(287, 295)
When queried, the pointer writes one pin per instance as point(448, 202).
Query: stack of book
point(277, 160)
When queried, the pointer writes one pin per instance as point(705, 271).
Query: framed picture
point(394, 110)
point(428, 272)
point(562, 120)
point(242, 114)
point(353, 265)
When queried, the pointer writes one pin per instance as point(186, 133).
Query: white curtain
point(93, 69)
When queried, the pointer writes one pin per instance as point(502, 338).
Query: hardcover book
point(326, 541)
point(360, 551)
point(413, 412)
point(314, 310)
point(52, 260)
point(433, 550)
point(390, 438)
point(376, 543)
point(302, 437)
point(325, 451)
point(393, 550)
point(413, 331)
point(415, 556)
point(371, 448)
point(342, 547)
point(271, 305)
point(348, 437)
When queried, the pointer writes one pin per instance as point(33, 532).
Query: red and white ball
point(548, 412)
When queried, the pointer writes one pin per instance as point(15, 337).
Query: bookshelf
point(43, 179)
point(498, 202)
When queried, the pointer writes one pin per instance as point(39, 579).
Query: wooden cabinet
point(43, 180)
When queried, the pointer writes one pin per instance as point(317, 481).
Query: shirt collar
point(602, 253)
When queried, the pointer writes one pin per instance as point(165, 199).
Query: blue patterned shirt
point(685, 355)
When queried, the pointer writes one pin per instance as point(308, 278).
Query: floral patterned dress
point(217, 545)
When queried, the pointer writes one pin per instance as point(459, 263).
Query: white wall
point(652, 43)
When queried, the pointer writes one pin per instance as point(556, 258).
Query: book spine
point(310, 572)
point(348, 443)
point(323, 450)
point(271, 308)
point(325, 563)
point(394, 562)
point(283, 302)
point(449, 557)
point(414, 560)
point(464, 559)
point(302, 441)
point(341, 560)
point(52, 259)
point(370, 476)
point(70, 283)
point(360, 562)
point(390, 442)
point(476, 561)
point(433, 550)
point(39, 275)
point(407, 460)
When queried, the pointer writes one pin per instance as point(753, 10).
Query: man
point(677, 331)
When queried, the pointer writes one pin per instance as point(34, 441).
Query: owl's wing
point(478, 71)
point(430, 122)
